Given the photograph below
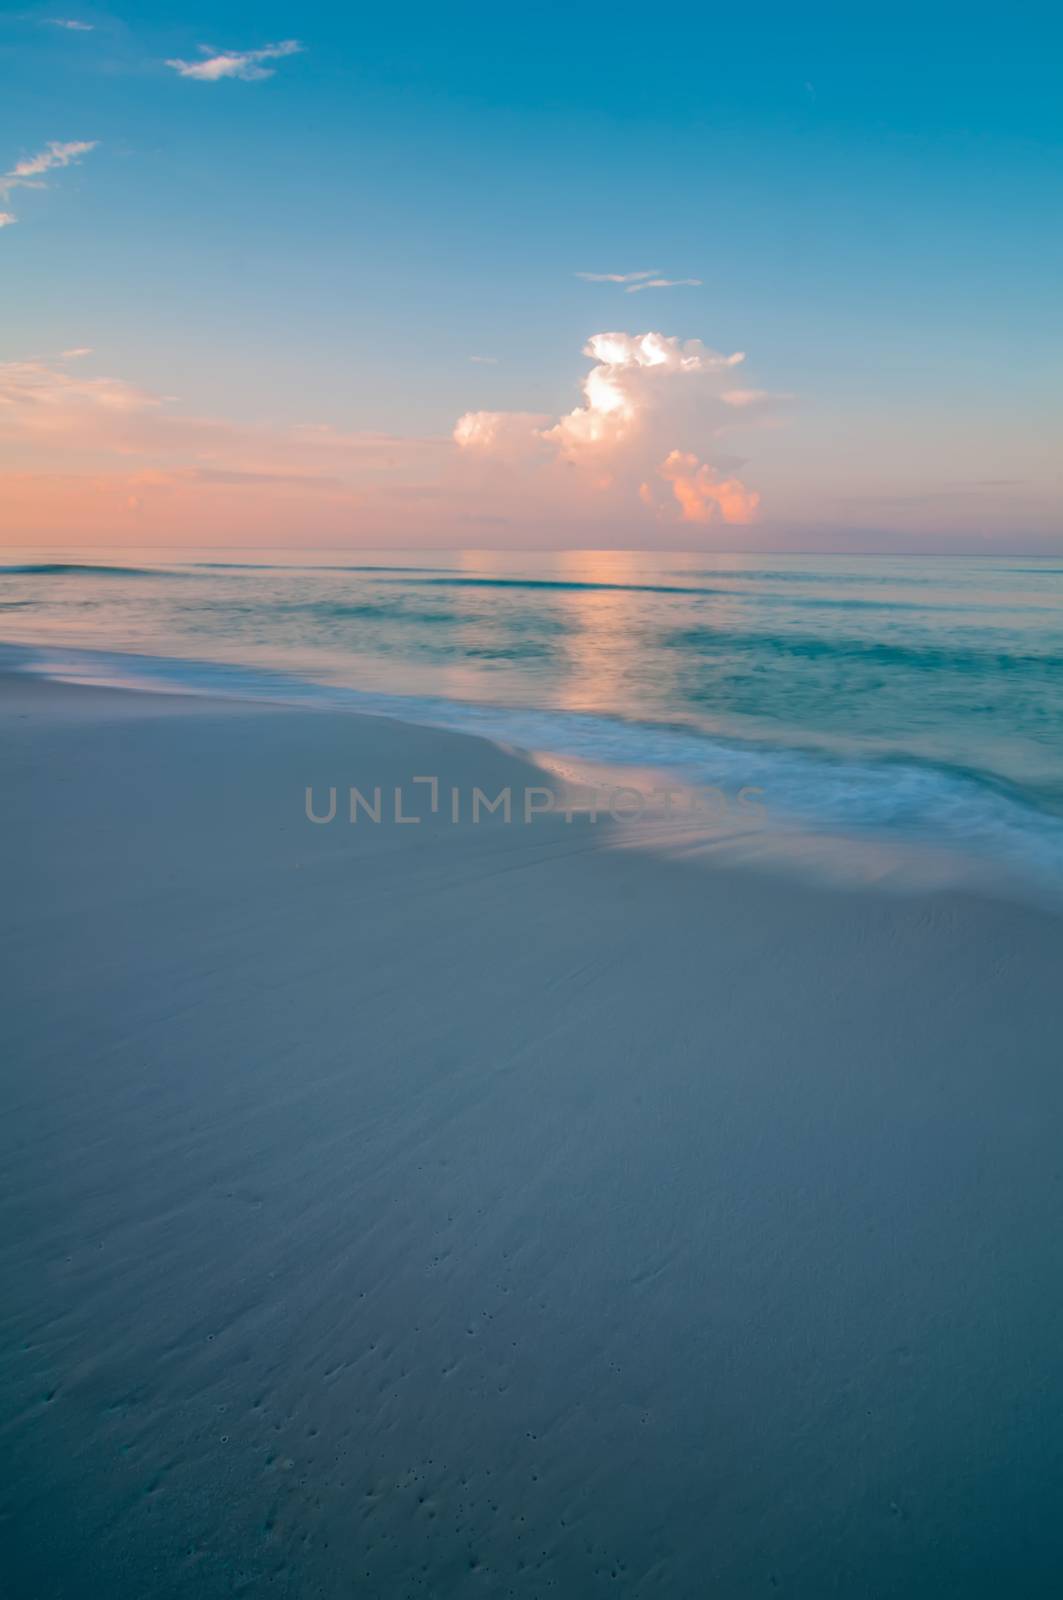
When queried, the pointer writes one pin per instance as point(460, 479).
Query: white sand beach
point(477, 1211)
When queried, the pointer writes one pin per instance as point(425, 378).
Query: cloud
point(642, 448)
point(70, 25)
point(7, 218)
point(701, 492)
point(635, 282)
point(617, 277)
point(485, 361)
point(663, 283)
point(83, 457)
point(502, 434)
point(35, 398)
point(27, 174)
point(67, 414)
point(652, 404)
point(77, 353)
point(245, 64)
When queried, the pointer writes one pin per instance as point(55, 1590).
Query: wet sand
point(469, 1211)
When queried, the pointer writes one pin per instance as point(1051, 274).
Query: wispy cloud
point(76, 354)
point(485, 361)
point(25, 174)
point(70, 24)
point(245, 64)
point(633, 282)
point(617, 277)
point(42, 404)
point(29, 174)
point(755, 400)
point(83, 452)
point(663, 283)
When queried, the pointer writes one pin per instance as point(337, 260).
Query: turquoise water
point(921, 697)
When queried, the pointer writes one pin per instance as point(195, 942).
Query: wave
point(190, 570)
point(920, 799)
point(560, 583)
point(868, 652)
point(57, 569)
point(367, 611)
point(294, 566)
point(813, 575)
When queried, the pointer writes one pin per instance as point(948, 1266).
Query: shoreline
point(490, 1207)
point(997, 842)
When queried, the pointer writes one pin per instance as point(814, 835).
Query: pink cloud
point(702, 493)
point(649, 401)
point(60, 412)
point(80, 453)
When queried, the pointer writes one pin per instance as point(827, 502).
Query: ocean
point(905, 698)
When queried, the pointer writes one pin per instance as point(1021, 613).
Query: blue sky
point(871, 202)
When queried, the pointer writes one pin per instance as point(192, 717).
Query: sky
point(770, 278)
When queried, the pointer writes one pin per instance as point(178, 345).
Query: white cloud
point(71, 25)
point(245, 64)
point(663, 283)
point(658, 350)
point(77, 353)
point(634, 282)
point(7, 218)
point(617, 277)
point(500, 433)
point(624, 389)
point(26, 174)
point(652, 404)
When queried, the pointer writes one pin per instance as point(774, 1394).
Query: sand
point(477, 1211)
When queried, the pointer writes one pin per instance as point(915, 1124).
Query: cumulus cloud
point(651, 405)
point(701, 492)
point(500, 433)
point(245, 64)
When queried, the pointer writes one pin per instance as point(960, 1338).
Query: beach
point(441, 1208)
